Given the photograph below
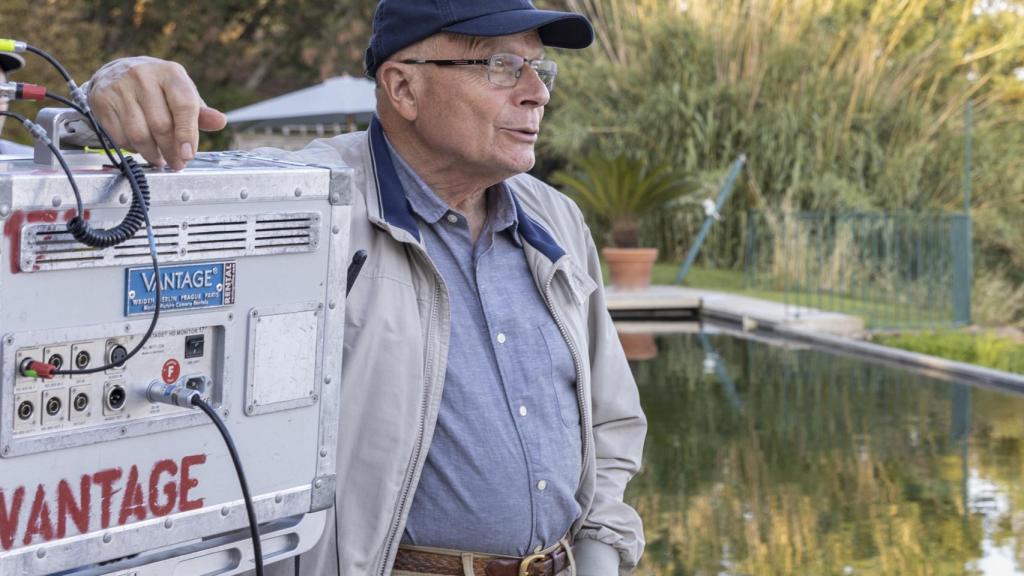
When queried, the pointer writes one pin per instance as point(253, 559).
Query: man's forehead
point(525, 44)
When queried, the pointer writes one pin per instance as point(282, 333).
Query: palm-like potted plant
point(618, 192)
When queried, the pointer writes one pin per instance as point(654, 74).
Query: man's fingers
point(211, 119)
point(107, 116)
point(181, 105)
point(162, 126)
point(137, 134)
point(152, 106)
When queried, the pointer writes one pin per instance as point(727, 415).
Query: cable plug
point(173, 394)
point(35, 369)
point(11, 45)
point(22, 91)
point(38, 132)
point(79, 96)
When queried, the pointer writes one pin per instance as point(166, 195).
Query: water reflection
point(782, 461)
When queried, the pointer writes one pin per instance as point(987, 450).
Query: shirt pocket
point(562, 375)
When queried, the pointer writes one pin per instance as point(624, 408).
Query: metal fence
point(895, 270)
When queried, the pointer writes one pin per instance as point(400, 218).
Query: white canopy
point(338, 100)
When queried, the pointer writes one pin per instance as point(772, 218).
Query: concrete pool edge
point(827, 330)
point(660, 302)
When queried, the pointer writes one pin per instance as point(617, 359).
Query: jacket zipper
point(585, 424)
point(396, 521)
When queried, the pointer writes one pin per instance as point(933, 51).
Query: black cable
point(53, 61)
point(138, 212)
point(254, 529)
point(80, 110)
point(132, 221)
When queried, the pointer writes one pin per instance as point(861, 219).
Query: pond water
point(770, 460)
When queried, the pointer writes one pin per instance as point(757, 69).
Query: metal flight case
point(94, 477)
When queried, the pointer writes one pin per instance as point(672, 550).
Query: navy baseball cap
point(401, 23)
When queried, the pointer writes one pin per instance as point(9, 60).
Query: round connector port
point(80, 402)
point(118, 354)
point(82, 360)
point(55, 360)
point(53, 406)
point(26, 409)
point(116, 397)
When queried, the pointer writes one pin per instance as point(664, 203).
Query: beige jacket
point(396, 348)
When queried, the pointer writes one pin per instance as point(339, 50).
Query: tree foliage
point(237, 52)
point(838, 104)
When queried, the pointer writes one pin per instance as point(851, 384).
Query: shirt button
point(522, 410)
point(501, 338)
point(453, 218)
point(542, 485)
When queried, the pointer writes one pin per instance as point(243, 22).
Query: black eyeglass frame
point(488, 62)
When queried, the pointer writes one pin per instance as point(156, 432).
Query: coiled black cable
point(132, 222)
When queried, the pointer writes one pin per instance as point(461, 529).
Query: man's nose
point(531, 90)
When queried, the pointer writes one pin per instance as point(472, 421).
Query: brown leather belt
point(431, 563)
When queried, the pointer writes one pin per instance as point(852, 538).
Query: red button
point(171, 371)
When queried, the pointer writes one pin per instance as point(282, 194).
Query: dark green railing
point(896, 270)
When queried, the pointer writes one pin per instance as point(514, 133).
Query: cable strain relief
point(79, 96)
point(77, 227)
point(38, 132)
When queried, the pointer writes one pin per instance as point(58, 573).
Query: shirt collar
point(425, 203)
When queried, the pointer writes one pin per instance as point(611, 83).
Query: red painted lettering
point(170, 488)
point(132, 504)
point(9, 517)
point(188, 483)
point(39, 519)
point(105, 480)
point(67, 505)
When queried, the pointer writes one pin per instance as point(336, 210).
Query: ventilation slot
point(51, 246)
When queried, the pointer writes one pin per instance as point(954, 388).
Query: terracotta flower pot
point(630, 268)
point(639, 346)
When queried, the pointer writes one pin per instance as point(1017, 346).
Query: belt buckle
point(524, 566)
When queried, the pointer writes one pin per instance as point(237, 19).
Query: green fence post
point(963, 312)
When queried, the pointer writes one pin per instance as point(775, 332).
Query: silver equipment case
point(252, 254)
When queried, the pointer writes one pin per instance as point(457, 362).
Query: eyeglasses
point(504, 69)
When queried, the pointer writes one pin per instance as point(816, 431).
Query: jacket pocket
point(562, 374)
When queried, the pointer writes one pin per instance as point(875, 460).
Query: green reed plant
point(839, 105)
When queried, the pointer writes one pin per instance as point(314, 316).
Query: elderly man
point(490, 422)
point(10, 62)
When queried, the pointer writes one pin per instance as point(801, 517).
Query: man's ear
point(398, 83)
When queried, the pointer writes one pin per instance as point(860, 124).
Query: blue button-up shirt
point(505, 460)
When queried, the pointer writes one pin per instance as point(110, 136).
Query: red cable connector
point(35, 369)
point(22, 91)
point(31, 91)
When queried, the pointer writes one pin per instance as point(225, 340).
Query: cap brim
point(557, 29)
point(9, 61)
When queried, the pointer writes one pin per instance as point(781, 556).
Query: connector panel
point(45, 402)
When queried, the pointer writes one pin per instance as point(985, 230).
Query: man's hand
point(152, 106)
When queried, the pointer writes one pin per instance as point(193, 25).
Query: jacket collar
point(394, 208)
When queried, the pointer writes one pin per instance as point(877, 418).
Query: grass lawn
point(876, 315)
point(986, 348)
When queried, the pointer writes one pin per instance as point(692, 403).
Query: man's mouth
point(524, 132)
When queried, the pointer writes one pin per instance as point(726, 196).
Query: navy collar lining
point(395, 209)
